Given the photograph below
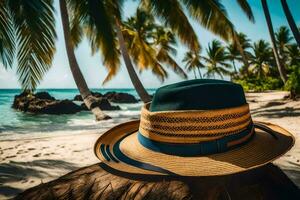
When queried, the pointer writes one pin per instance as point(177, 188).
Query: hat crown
point(199, 94)
point(211, 115)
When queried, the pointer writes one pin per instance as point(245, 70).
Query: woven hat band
point(193, 126)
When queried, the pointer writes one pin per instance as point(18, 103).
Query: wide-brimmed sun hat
point(193, 128)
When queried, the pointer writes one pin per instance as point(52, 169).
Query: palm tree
point(280, 66)
point(261, 58)
point(150, 44)
point(88, 98)
point(291, 21)
point(192, 62)
point(283, 40)
point(216, 60)
point(233, 55)
point(293, 52)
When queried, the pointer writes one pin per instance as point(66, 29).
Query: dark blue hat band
point(202, 148)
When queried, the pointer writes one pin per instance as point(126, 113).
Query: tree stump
point(267, 182)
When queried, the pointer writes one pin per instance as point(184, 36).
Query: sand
point(27, 162)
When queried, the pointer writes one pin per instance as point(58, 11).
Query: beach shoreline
point(33, 159)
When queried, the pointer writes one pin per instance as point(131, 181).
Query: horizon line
point(75, 88)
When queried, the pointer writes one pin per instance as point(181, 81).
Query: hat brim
point(119, 149)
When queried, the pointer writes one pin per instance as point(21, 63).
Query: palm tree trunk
point(200, 75)
point(233, 63)
point(242, 52)
point(291, 21)
point(85, 93)
point(195, 73)
point(140, 89)
point(281, 69)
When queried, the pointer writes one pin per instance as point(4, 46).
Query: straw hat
point(193, 128)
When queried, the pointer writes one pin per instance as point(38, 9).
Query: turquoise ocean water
point(14, 124)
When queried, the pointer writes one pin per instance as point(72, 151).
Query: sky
point(59, 76)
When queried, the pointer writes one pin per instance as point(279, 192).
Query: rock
point(115, 97)
point(44, 95)
point(77, 98)
point(95, 94)
point(43, 103)
point(54, 107)
point(120, 97)
point(103, 103)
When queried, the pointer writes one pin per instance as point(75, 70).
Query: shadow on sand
point(21, 171)
point(276, 112)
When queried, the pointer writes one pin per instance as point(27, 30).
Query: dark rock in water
point(43, 103)
point(103, 103)
point(77, 98)
point(53, 107)
point(120, 97)
point(115, 97)
point(95, 94)
point(44, 95)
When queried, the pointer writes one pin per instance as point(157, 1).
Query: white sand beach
point(31, 160)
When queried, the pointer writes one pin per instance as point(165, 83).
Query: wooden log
point(92, 182)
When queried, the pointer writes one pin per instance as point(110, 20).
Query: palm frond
point(247, 9)
point(171, 12)
point(164, 57)
point(97, 23)
point(7, 37)
point(212, 15)
point(35, 31)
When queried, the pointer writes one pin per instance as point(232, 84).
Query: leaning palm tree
point(150, 45)
point(88, 98)
point(216, 60)
point(291, 21)
point(280, 66)
point(261, 58)
point(192, 62)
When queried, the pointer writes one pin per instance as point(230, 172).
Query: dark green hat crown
point(199, 94)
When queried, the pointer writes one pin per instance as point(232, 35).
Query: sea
point(18, 125)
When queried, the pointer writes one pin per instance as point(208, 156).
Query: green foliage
point(258, 84)
point(293, 82)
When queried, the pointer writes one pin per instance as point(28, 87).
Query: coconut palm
point(293, 52)
point(88, 98)
point(261, 58)
point(150, 44)
point(291, 21)
point(280, 66)
point(235, 55)
point(283, 40)
point(216, 60)
point(192, 62)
